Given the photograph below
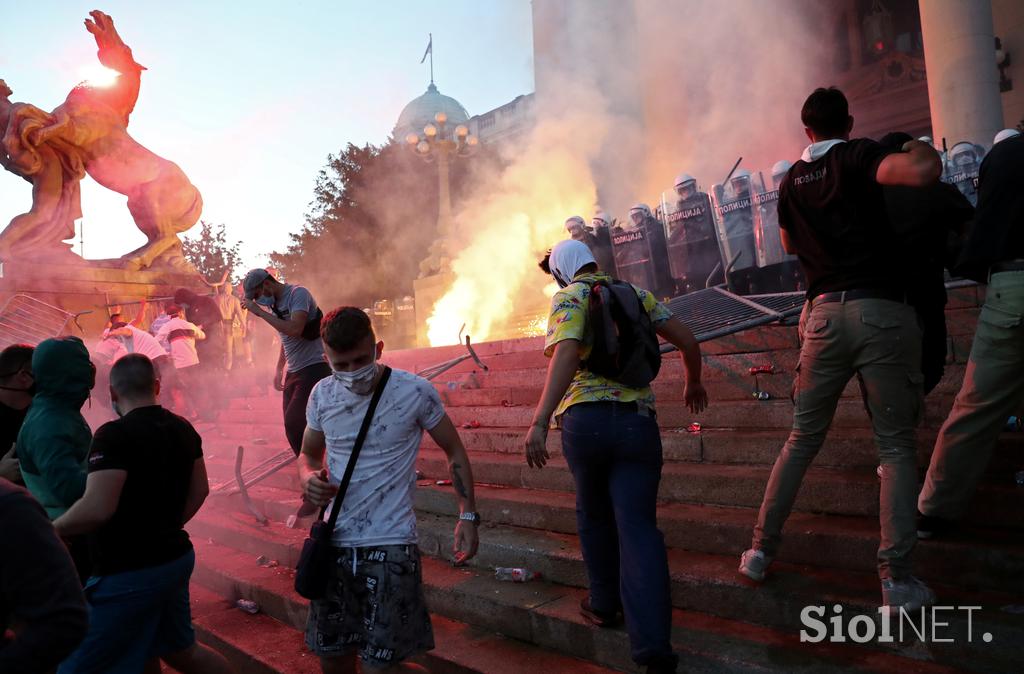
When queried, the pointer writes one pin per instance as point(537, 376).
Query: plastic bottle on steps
point(515, 574)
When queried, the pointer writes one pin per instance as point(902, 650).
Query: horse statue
point(88, 134)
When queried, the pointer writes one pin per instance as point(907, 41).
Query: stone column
point(963, 83)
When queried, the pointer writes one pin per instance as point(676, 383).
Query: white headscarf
point(567, 258)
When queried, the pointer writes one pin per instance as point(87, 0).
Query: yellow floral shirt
point(568, 320)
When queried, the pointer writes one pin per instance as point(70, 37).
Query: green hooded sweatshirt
point(53, 444)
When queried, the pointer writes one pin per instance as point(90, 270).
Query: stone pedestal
point(77, 285)
point(428, 291)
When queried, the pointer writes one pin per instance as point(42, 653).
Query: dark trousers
point(297, 387)
point(615, 457)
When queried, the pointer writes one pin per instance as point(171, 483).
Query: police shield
point(778, 270)
point(962, 168)
point(734, 220)
point(632, 251)
point(693, 253)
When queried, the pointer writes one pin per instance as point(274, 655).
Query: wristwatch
point(470, 517)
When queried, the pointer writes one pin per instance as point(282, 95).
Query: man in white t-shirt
point(374, 607)
point(182, 336)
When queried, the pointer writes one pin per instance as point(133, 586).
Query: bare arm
point(198, 490)
point(312, 473)
point(139, 315)
point(97, 505)
point(918, 165)
point(293, 326)
point(564, 363)
point(282, 362)
point(447, 438)
point(678, 335)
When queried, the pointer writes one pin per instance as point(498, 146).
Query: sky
point(250, 97)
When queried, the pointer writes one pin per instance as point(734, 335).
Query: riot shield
point(693, 253)
point(778, 270)
point(734, 219)
point(961, 170)
point(632, 252)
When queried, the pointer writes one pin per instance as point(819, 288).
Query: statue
point(88, 134)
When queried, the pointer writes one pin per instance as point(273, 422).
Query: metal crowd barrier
point(26, 320)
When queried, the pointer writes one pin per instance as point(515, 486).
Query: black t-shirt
point(834, 213)
point(203, 311)
point(158, 450)
point(10, 423)
point(998, 231)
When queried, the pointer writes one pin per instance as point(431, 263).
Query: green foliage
point(371, 221)
point(210, 253)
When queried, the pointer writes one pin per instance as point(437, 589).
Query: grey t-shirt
point(378, 507)
point(298, 352)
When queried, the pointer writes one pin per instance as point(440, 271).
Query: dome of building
point(421, 111)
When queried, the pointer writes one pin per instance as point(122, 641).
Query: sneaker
point(754, 564)
point(599, 618)
point(933, 527)
point(910, 594)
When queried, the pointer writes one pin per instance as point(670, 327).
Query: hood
point(63, 371)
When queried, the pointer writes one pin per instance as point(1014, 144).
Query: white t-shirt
point(183, 349)
point(378, 508)
point(144, 343)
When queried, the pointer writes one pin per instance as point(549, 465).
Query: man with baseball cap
point(292, 311)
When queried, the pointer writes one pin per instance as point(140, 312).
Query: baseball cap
point(253, 280)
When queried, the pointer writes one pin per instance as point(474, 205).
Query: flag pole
point(431, 57)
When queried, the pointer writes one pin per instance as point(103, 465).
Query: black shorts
point(375, 608)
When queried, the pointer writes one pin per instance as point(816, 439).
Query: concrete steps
point(231, 574)
point(542, 613)
point(839, 491)
point(712, 485)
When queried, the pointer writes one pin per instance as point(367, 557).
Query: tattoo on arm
point(460, 487)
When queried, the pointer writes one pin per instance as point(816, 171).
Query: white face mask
point(358, 381)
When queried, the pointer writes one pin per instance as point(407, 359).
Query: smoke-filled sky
point(249, 98)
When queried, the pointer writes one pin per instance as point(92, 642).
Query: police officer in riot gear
point(735, 210)
point(602, 250)
point(692, 245)
point(643, 219)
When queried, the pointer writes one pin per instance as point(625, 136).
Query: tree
point(210, 253)
point(371, 221)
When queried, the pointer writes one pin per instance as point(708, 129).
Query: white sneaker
point(754, 564)
point(910, 595)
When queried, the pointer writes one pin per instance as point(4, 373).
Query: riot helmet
point(600, 220)
point(639, 213)
point(1005, 134)
point(686, 186)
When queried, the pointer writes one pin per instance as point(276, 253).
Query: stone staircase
point(712, 485)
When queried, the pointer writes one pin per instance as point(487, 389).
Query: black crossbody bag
point(313, 572)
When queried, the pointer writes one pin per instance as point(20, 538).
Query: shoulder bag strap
point(356, 448)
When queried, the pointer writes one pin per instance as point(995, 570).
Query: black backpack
point(626, 348)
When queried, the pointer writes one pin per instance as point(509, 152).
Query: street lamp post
point(440, 143)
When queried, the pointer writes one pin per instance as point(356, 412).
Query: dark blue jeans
point(615, 457)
